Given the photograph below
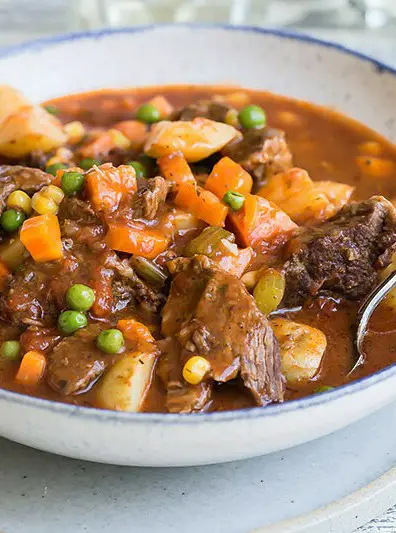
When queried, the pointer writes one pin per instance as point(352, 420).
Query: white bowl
point(290, 64)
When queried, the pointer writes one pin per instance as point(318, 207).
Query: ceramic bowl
point(293, 65)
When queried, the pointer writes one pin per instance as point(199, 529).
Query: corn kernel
point(55, 193)
point(54, 160)
point(195, 369)
point(75, 131)
point(44, 205)
point(20, 200)
point(119, 139)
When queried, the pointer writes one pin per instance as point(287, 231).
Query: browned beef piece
point(13, 177)
point(150, 198)
point(262, 152)
point(210, 313)
point(343, 254)
point(128, 287)
point(76, 363)
point(79, 222)
point(39, 339)
point(204, 108)
point(27, 300)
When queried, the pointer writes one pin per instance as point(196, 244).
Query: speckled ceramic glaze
point(287, 64)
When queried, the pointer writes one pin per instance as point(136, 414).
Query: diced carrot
point(135, 131)
point(4, 273)
point(42, 237)
point(102, 286)
point(31, 369)
point(228, 176)
point(136, 240)
point(203, 204)
point(235, 264)
point(376, 167)
point(163, 105)
point(99, 146)
point(175, 168)
point(137, 332)
point(107, 185)
point(260, 221)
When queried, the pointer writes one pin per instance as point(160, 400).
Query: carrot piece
point(228, 176)
point(162, 104)
point(42, 237)
point(203, 204)
point(137, 332)
point(4, 273)
point(376, 167)
point(134, 130)
point(175, 168)
point(136, 240)
point(31, 369)
point(260, 221)
point(107, 186)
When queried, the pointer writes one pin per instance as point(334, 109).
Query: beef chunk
point(13, 177)
point(262, 152)
point(150, 198)
point(206, 109)
point(27, 300)
point(79, 222)
point(76, 363)
point(210, 313)
point(343, 254)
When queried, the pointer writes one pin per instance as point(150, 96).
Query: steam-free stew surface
point(326, 145)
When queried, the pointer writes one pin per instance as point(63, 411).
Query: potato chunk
point(195, 139)
point(125, 385)
point(302, 348)
point(24, 127)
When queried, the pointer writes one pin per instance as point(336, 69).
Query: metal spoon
point(366, 310)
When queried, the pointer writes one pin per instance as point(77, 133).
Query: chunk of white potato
point(196, 139)
point(124, 387)
point(302, 348)
point(24, 127)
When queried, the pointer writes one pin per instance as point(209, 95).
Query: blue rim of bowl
point(221, 416)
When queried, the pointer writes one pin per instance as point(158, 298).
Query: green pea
point(323, 388)
point(148, 113)
point(52, 169)
point(88, 163)
point(110, 341)
point(52, 109)
point(252, 116)
point(10, 350)
point(234, 199)
point(140, 169)
point(72, 182)
point(71, 321)
point(80, 297)
point(11, 220)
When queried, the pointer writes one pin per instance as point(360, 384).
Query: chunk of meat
point(150, 198)
point(79, 222)
point(39, 339)
point(76, 363)
point(211, 314)
point(16, 177)
point(28, 300)
point(204, 108)
point(343, 254)
point(262, 152)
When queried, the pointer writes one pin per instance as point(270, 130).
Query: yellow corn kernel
point(75, 131)
point(55, 193)
point(54, 160)
point(44, 205)
point(20, 200)
point(119, 139)
point(195, 369)
point(238, 98)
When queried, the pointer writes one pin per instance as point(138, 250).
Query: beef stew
point(187, 249)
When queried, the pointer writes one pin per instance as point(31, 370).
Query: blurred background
point(366, 25)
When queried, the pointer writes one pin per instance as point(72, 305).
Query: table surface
point(377, 44)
